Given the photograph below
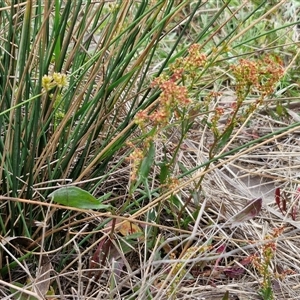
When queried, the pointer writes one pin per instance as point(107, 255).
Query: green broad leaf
point(76, 197)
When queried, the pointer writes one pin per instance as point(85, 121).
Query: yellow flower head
point(47, 82)
point(51, 81)
point(60, 79)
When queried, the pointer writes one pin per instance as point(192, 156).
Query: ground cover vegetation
point(149, 149)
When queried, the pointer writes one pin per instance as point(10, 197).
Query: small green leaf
point(76, 197)
point(144, 170)
point(147, 162)
point(225, 136)
point(226, 296)
point(164, 172)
